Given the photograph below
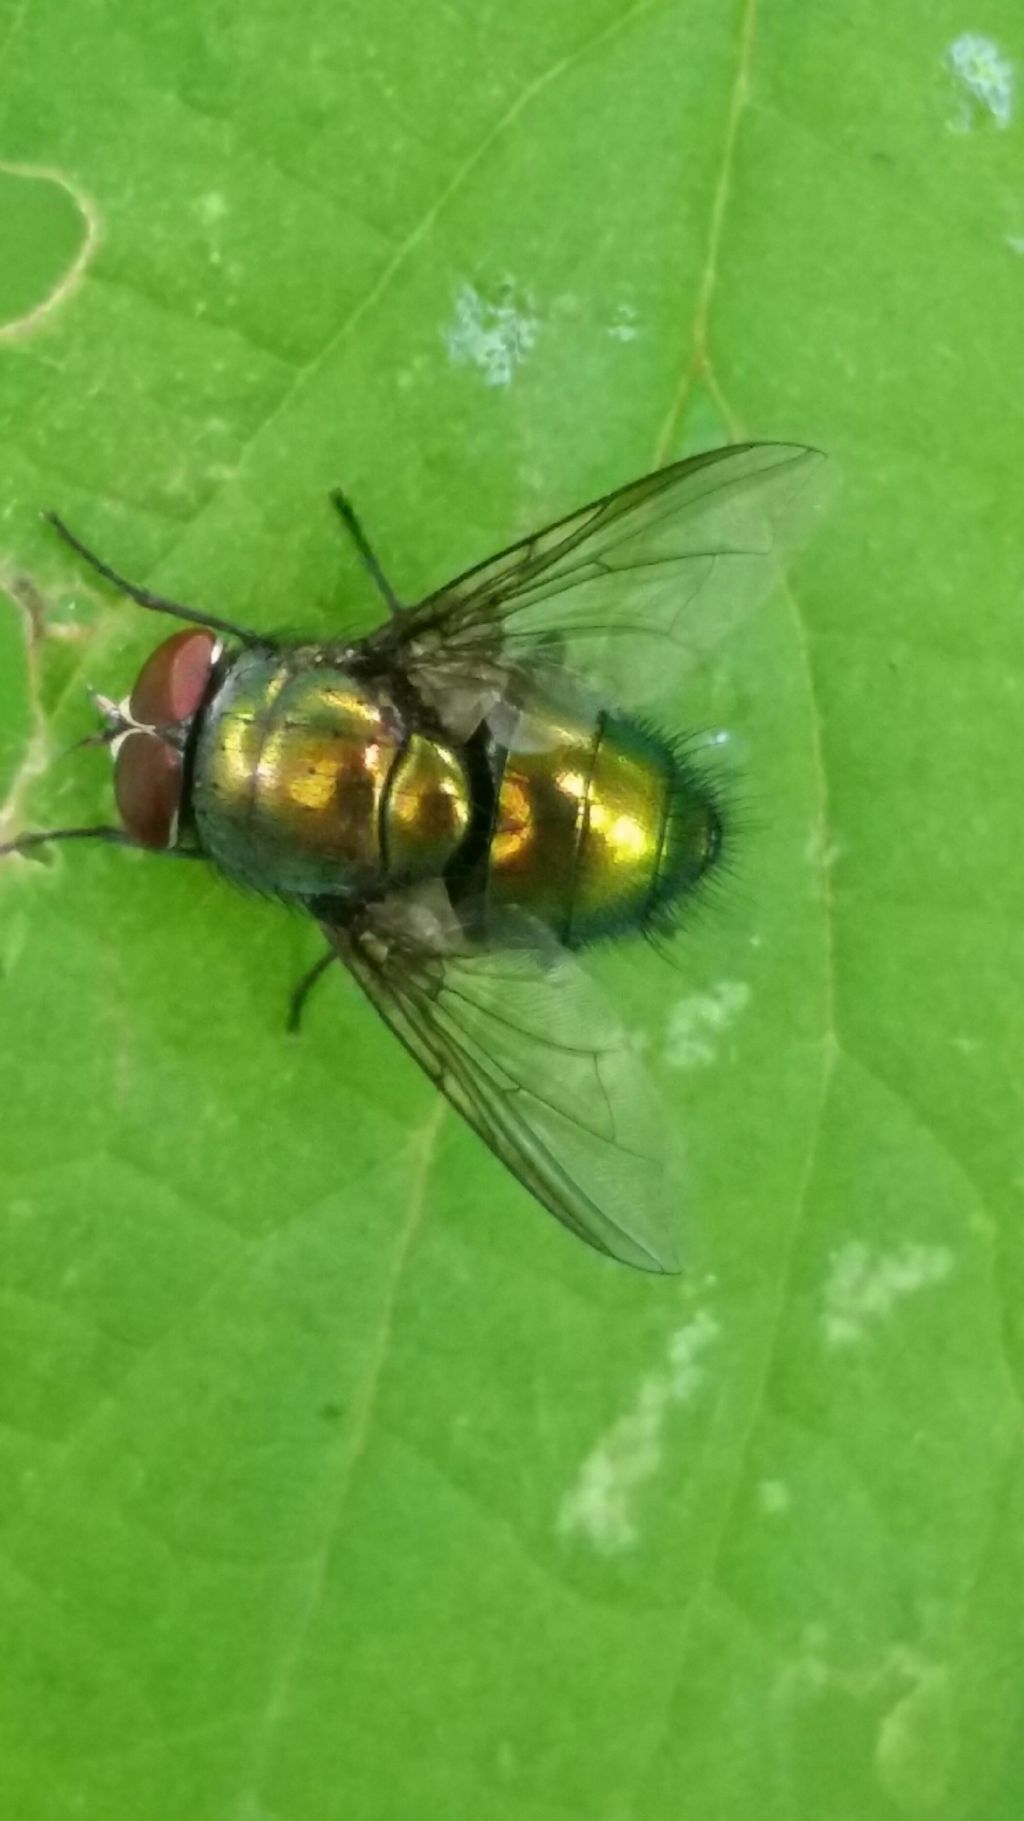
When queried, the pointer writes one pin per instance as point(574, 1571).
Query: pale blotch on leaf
point(985, 80)
point(821, 851)
point(916, 1748)
point(495, 337)
point(601, 1505)
point(698, 1023)
point(864, 1286)
point(212, 205)
point(773, 1497)
point(624, 325)
point(916, 1745)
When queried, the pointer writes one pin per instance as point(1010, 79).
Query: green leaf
point(337, 1480)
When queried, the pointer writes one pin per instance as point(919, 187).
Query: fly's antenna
point(110, 713)
point(102, 737)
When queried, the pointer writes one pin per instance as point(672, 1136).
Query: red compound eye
point(172, 681)
point(147, 786)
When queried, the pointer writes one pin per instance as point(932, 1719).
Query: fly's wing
point(532, 1057)
point(679, 556)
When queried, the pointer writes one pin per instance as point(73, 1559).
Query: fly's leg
point(297, 1003)
point(347, 513)
point(144, 597)
point(114, 837)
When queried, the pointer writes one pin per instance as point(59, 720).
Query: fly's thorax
point(308, 782)
point(600, 827)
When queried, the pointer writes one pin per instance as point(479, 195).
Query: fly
point(471, 797)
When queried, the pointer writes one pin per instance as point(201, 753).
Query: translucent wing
point(532, 1057)
point(681, 556)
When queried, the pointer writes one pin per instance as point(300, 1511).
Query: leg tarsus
point(349, 518)
point(297, 1003)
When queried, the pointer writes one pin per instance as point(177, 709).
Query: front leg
point(114, 837)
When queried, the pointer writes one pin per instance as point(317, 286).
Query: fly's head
point(149, 733)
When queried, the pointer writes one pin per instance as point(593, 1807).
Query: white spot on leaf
point(493, 337)
point(864, 1286)
point(601, 1505)
point(985, 79)
point(697, 1023)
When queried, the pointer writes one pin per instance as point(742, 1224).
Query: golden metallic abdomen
point(598, 824)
